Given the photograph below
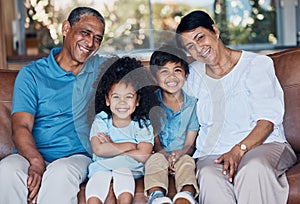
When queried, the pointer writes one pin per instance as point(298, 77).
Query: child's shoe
point(157, 197)
point(185, 195)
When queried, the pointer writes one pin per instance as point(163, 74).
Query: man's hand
point(35, 174)
point(231, 161)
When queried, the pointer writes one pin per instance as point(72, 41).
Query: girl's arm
point(106, 148)
point(141, 153)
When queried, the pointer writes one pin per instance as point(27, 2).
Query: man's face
point(84, 38)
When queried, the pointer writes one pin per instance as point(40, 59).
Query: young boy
point(174, 144)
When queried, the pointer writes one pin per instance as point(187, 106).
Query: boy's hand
point(175, 155)
point(172, 160)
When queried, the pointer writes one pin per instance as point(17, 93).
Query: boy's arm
point(158, 148)
point(189, 146)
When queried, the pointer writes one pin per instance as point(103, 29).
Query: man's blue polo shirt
point(61, 103)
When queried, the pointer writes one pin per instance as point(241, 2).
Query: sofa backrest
point(7, 79)
point(287, 68)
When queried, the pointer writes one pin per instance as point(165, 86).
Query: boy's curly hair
point(130, 71)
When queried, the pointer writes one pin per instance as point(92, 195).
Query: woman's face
point(122, 100)
point(202, 44)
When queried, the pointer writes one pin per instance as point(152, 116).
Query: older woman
point(242, 151)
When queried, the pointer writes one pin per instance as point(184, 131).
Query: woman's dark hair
point(129, 71)
point(78, 12)
point(192, 21)
point(165, 54)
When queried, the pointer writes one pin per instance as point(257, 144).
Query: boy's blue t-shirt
point(175, 126)
point(62, 105)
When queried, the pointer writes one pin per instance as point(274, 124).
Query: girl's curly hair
point(130, 71)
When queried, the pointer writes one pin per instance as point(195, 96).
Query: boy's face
point(171, 77)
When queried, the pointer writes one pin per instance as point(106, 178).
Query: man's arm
point(22, 124)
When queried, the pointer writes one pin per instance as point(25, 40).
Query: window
point(145, 24)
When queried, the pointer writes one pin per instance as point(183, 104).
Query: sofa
point(287, 68)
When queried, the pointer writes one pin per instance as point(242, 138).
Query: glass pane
point(146, 24)
point(246, 22)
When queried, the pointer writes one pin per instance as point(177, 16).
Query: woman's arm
point(267, 109)
point(258, 135)
point(255, 138)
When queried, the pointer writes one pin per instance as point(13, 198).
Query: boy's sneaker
point(185, 195)
point(157, 197)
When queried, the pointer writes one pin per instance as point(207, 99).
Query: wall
point(3, 64)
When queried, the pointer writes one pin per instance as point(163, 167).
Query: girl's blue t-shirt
point(132, 133)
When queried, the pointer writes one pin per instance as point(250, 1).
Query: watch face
point(243, 147)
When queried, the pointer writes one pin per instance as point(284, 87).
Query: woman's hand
point(231, 161)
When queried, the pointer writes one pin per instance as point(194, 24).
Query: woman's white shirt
point(228, 108)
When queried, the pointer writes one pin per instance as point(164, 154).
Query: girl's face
point(122, 100)
point(171, 77)
point(202, 44)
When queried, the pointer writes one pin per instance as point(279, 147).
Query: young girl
point(121, 134)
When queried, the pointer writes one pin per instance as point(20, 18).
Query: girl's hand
point(103, 138)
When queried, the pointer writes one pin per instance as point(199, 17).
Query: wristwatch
point(243, 147)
